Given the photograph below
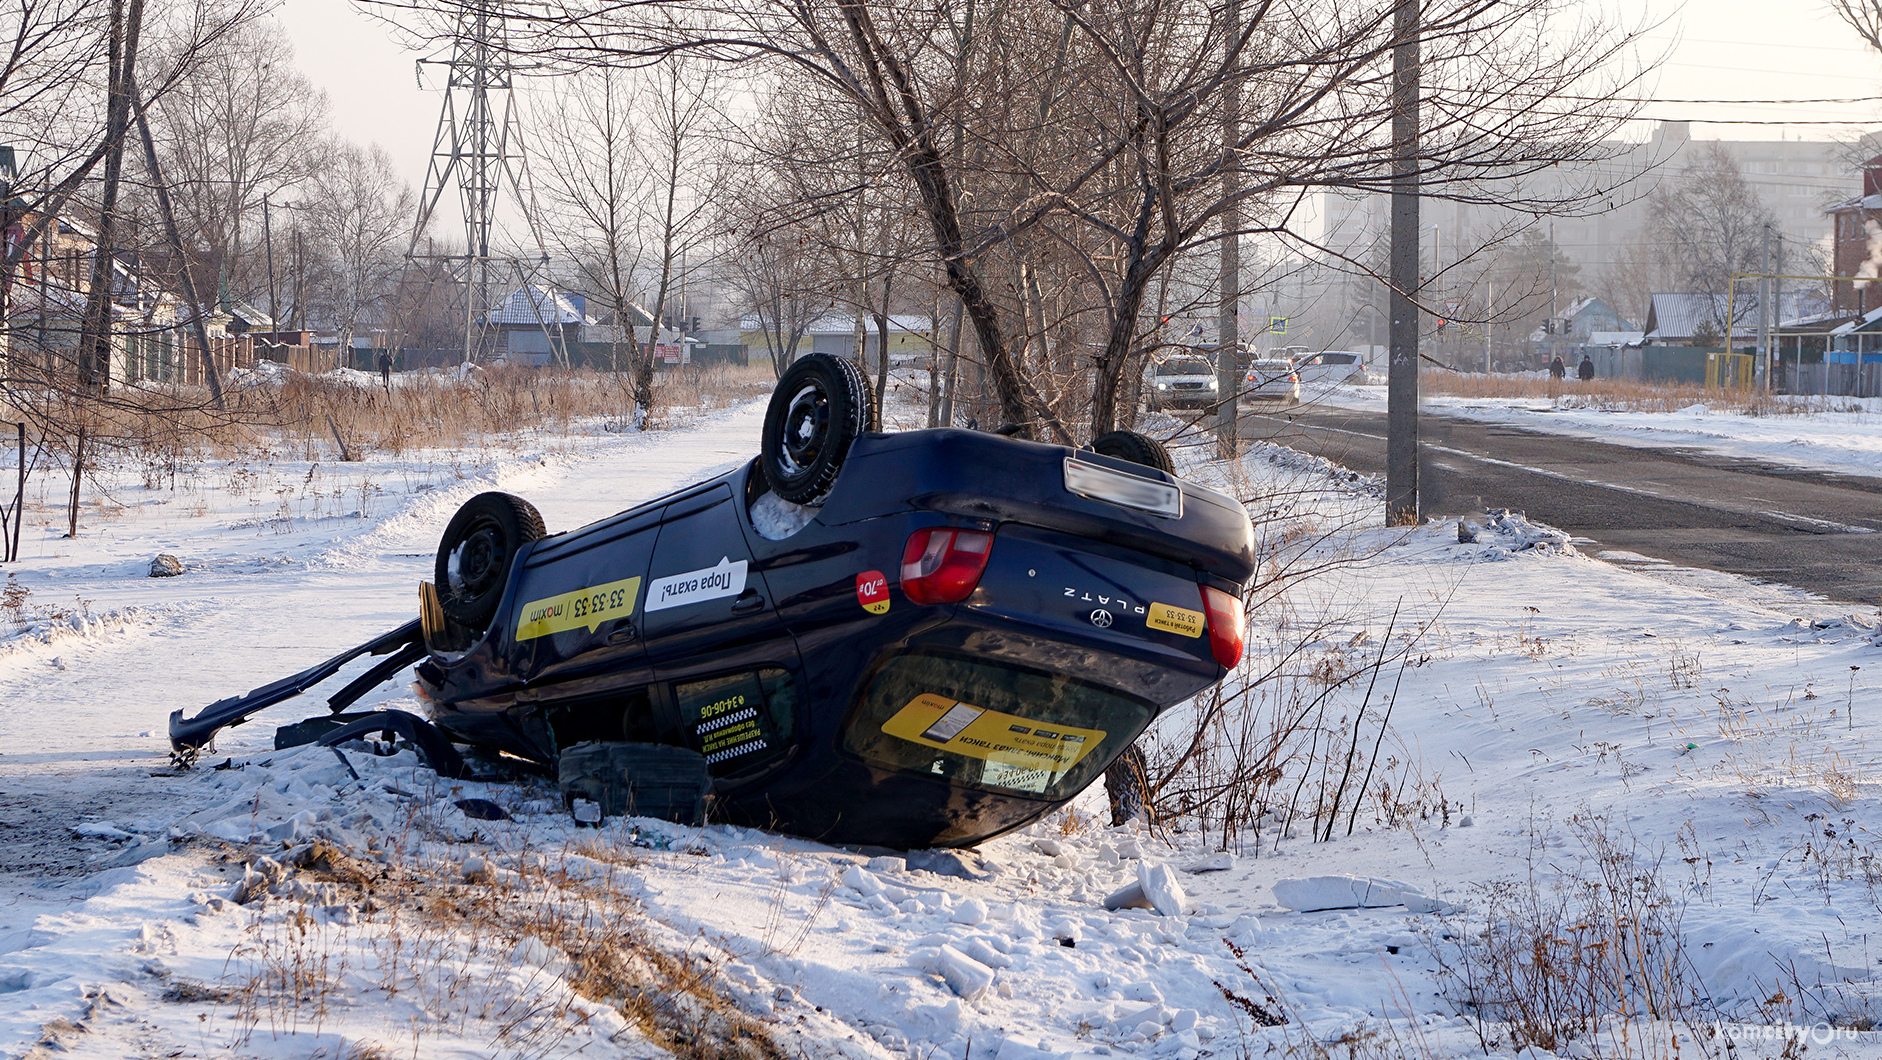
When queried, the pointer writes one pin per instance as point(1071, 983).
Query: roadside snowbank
point(1847, 440)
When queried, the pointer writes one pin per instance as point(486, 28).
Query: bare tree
point(244, 125)
point(1083, 145)
point(1863, 16)
point(594, 185)
point(360, 219)
point(681, 104)
point(779, 270)
point(1713, 225)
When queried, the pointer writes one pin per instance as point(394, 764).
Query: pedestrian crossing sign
point(1277, 325)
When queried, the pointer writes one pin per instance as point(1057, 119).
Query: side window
point(739, 720)
point(608, 718)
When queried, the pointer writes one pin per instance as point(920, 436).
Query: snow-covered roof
point(1866, 323)
point(1616, 338)
point(1860, 202)
point(1679, 315)
point(537, 304)
point(846, 325)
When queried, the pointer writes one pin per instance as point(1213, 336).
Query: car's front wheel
point(476, 552)
point(819, 407)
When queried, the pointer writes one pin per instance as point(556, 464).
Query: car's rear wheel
point(476, 552)
point(1134, 447)
point(819, 407)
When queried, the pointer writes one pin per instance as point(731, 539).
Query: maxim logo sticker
point(582, 609)
point(872, 591)
point(697, 586)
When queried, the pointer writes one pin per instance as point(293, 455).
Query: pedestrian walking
point(1557, 372)
point(1585, 371)
point(385, 369)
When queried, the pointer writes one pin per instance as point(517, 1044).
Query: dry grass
point(1627, 395)
point(165, 430)
point(1594, 961)
point(531, 945)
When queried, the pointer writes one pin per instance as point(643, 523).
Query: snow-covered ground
point(1659, 787)
point(1844, 436)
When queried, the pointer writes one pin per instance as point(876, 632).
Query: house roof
point(1616, 338)
point(1867, 322)
point(834, 324)
point(537, 304)
point(637, 315)
point(1592, 306)
point(255, 319)
point(1679, 315)
point(1860, 202)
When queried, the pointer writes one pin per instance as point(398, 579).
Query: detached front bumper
point(405, 646)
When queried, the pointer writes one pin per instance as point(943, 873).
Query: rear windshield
point(1186, 366)
point(991, 726)
point(1272, 367)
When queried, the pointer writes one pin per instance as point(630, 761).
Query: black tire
point(1134, 447)
point(819, 407)
point(476, 552)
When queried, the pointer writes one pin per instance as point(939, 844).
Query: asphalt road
point(1814, 530)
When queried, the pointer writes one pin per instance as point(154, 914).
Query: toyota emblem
point(1101, 618)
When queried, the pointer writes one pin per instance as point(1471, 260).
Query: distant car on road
point(1270, 382)
point(1327, 368)
point(1183, 383)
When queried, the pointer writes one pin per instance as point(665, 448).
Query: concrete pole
point(1401, 456)
point(1489, 312)
point(1228, 365)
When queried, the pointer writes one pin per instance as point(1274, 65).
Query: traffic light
point(695, 327)
point(1548, 326)
point(1442, 323)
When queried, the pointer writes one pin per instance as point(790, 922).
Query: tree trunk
point(175, 239)
point(78, 473)
point(94, 344)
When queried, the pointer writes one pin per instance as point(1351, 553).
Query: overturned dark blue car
point(911, 639)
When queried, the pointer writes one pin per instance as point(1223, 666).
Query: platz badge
point(872, 591)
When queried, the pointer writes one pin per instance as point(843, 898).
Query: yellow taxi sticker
point(582, 609)
point(1175, 619)
point(1015, 748)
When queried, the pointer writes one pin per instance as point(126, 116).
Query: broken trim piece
point(190, 735)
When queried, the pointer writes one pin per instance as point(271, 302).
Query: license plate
point(1122, 488)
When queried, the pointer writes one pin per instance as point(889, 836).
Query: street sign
point(1277, 325)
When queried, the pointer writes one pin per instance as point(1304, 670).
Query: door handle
point(747, 602)
point(623, 634)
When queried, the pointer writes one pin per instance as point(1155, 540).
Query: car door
point(578, 604)
point(705, 607)
point(713, 634)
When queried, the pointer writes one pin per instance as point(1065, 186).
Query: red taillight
point(941, 565)
point(1225, 625)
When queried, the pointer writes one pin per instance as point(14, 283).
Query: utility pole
point(1489, 314)
point(1401, 456)
point(274, 302)
point(478, 150)
point(1764, 313)
point(1228, 363)
point(1776, 355)
point(1550, 330)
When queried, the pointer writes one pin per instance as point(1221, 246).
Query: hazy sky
point(1721, 49)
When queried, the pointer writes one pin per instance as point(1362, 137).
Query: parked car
point(1271, 381)
point(912, 639)
point(1183, 383)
